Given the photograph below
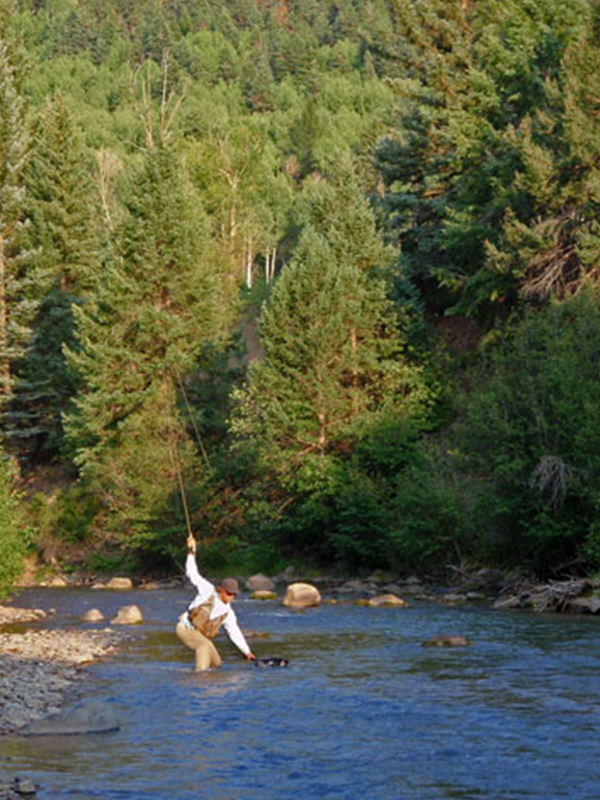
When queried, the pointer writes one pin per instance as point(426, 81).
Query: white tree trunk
point(249, 264)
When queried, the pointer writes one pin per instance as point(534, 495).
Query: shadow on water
point(363, 709)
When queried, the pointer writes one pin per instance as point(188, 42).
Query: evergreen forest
point(318, 281)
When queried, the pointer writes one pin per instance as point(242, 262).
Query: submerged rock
point(447, 641)
point(128, 615)
point(24, 787)
point(263, 594)
point(301, 595)
point(89, 716)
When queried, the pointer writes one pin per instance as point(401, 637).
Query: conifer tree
point(476, 78)
point(333, 360)
point(17, 302)
point(551, 231)
point(63, 234)
point(157, 304)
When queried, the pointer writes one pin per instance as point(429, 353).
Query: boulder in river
point(263, 594)
point(120, 583)
point(301, 595)
point(89, 716)
point(10, 615)
point(128, 615)
point(260, 583)
point(93, 615)
point(386, 600)
point(23, 788)
point(443, 640)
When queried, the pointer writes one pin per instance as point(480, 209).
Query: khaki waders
point(206, 653)
point(199, 638)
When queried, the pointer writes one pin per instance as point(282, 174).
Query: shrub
point(14, 536)
point(530, 434)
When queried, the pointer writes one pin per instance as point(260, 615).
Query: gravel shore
point(40, 670)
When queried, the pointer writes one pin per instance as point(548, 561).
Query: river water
point(363, 710)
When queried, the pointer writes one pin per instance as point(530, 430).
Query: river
point(363, 710)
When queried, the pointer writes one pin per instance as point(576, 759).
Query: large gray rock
point(128, 615)
point(301, 595)
point(260, 583)
point(24, 787)
point(89, 716)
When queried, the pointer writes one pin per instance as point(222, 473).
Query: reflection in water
point(362, 709)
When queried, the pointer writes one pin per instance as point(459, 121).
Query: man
point(210, 609)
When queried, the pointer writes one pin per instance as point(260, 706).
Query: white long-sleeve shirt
point(205, 591)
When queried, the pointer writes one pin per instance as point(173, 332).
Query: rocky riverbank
point(40, 670)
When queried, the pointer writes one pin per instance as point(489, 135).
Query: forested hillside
point(316, 280)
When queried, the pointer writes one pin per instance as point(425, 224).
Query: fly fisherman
point(210, 609)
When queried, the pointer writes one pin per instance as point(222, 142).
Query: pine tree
point(64, 236)
point(17, 303)
point(333, 360)
point(304, 136)
point(475, 78)
point(158, 303)
point(551, 230)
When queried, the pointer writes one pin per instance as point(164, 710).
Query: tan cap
point(230, 585)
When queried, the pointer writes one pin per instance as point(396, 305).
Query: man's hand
point(251, 657)
point(191, 544)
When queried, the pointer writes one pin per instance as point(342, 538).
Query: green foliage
point(490, 168)
point(142, 332)
point(65, 517)
point(164, 163)
point(63, 236)
point(17, 287)
point(333, 369)
point(530, 438)
point(14, 536)
point(332, 351)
